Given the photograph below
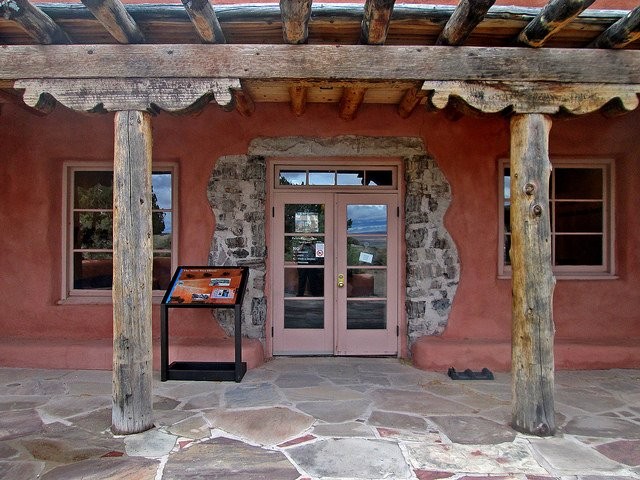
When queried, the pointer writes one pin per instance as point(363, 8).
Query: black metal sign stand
point(214, 287)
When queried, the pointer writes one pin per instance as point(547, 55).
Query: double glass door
point(335, 287)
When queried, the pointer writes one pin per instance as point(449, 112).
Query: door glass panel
point(366, 219)
point(366, 315)
point(303, 313)
point(367, 283)
point(304, 218)
point(307, 250)
point(367, 250)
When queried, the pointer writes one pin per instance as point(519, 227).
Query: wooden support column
point(533, 282)
point(132, 282)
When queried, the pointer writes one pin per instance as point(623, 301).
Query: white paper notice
point(366, 257)
point(319, 250)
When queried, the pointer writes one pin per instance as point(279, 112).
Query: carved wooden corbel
point(178, 95)
point(532, 97)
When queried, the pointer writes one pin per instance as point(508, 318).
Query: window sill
point(578, 277)
point(101, 299)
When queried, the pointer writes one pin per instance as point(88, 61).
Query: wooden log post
point(533, 282)
point(132, 282)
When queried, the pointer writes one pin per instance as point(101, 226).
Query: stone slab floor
point(318, 418)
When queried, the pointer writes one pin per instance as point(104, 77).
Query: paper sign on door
point(319, 250)
point(366, 257)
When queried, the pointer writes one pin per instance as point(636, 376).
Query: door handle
point(340, 280)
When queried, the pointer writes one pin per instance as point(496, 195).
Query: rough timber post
point(132, 283)
point(533, 282)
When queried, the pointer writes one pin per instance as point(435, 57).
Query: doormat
point(468, 374)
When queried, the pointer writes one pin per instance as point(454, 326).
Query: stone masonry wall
point(237, 194)
point(433, 266)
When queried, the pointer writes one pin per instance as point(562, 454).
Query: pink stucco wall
point(34, 149)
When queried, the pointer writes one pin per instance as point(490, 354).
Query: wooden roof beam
point(410, 100)
point(621, 33)
point(552, 18)
point(352, 98)
point(295, 20)
point(204, 20)
point(467, 15)
point(34, 21)
point(373, 31)
point(295, 30)
point(375, 23)
point(116, 20)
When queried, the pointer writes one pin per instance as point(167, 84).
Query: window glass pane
point(161, 187)
point(578, 250)
point(322, 178)
point(586, 217)
point(350, 177)
point(578, 183)
point(366, 315)
point(303, 313)
point(92, 230)
point(366, 219)
point(506, 183)
point(367, 250)
point(379, 178)
point(293, 177)
point(507, 217)
point(304, 218)
point(93, 190)
point(507, 248)
point(307, 250)
point(161, 230)
point(367, 283)
point(161, 270)
point(92, 270)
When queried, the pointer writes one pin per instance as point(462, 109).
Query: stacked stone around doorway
point(237, 195)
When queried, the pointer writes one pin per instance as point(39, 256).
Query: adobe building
point(361, 160)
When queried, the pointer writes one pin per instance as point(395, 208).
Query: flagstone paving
point(319, 418)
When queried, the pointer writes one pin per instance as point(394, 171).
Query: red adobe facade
point(597, 317)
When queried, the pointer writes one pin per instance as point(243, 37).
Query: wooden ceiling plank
point(375, 23)
point(320, 62)
point(621, 33)
point(205, 20)
point(350, 102)
point(116, 20)
point(295, 20)
point(34, 21)
point(467, 15)
point(552, 18)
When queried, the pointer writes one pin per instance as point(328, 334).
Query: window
point(330, 177)
point(89, 219)
point(581, 218)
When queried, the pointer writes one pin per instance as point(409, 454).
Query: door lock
point(340, 280)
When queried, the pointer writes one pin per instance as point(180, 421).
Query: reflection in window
point(331, 177)
point(579, 217)
point(91, 237)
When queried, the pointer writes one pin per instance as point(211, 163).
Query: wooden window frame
point(606, 271)
point(70, 295)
